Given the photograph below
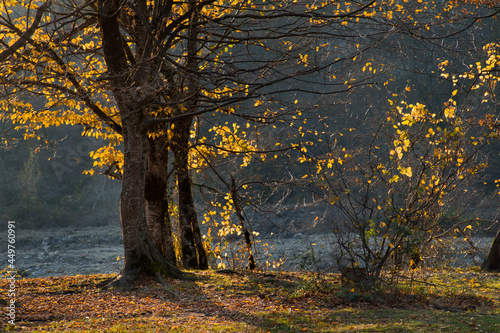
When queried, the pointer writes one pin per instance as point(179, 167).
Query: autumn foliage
point(187, 97)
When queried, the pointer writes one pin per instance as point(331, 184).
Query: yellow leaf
point(449, 112)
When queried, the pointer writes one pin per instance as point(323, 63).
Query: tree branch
point(24, 38)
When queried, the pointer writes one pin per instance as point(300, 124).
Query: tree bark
point(492, 262)
point(141, 254)
point(157, 214)
point(193, 253)
point(239, 213)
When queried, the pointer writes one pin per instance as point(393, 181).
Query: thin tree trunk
point(193, 253)
point(492, 262)
point(246, 233)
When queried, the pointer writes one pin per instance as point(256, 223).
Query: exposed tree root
point(123, 281)
point(158, 269)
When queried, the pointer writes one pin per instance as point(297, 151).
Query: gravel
point(72, 251)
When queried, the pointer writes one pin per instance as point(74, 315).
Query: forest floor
point(424, 300)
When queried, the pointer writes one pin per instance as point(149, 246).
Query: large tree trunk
point(492, 262)
point(141, 254)
point(193, 253)
point(157, 214)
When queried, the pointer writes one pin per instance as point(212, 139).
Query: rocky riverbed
point(68, 251)
point(71, 251)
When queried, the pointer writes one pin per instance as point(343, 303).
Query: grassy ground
point(420, 301)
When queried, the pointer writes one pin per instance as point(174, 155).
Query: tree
point(479, 83)
point(483, 78)
point(492, 262)
point(396, 195)
point(394, 200)
point(139, 73)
